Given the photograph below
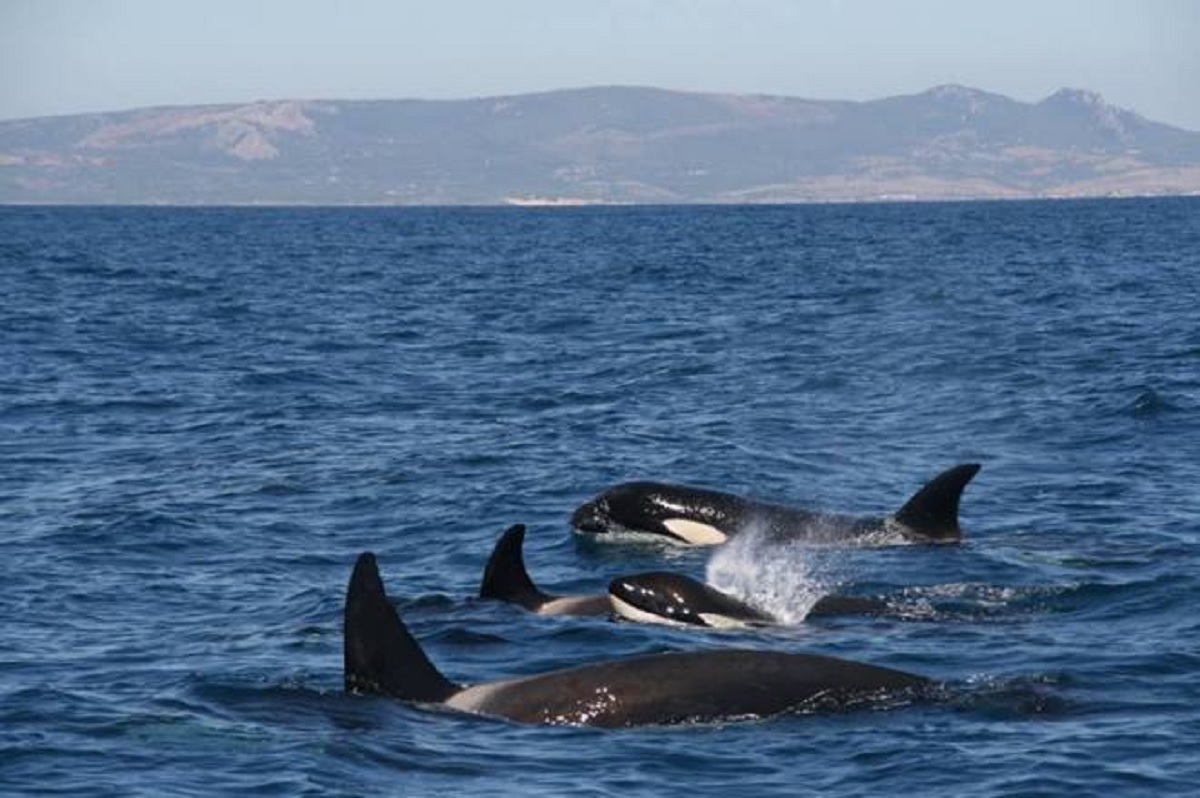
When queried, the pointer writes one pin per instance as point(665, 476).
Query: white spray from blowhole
point(774, 576)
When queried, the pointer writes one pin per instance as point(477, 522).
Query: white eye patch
point(695, 532)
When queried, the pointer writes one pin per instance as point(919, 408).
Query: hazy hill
point(599, 145)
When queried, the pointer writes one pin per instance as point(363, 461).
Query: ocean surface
point(206, 414)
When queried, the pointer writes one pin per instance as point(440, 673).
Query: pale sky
point(74, 56)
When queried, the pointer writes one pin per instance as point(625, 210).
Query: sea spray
point(774, 577)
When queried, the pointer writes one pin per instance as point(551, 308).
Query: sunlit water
point(206, 414)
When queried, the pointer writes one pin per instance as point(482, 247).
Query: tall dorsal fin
point(505, 577)
point(933, 511)
point(380, 655)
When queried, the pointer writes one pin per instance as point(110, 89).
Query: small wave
point(1016, 698)
point(460, 636)
point(278, 378)
point(971, 601)
point(145, 529)
point(1149, 403)
point(69, 407)
point(282, 488)
point(250, 707)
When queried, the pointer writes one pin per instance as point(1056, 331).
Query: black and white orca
point(702, 517)
point(653, 597)
point(678, 600)
point(381, 657)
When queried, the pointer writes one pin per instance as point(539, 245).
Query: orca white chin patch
point(695, 533)
point(718, 621)
point(632, 613)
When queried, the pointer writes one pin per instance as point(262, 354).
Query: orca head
point(678, 600)
point(666, 512)
point(625, 508)
point(593, 518)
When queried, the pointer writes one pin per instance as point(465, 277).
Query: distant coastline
point(600, 146)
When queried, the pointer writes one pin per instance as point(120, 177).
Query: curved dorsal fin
point(933, 511)
point(380, 655)
point(505, 577)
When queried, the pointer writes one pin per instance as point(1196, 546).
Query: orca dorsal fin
point(933, 511)
point(380, 655)
point(505, 577)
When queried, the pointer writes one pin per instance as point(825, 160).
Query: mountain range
point(599, 145)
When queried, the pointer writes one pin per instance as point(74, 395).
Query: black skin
point(673, 596)
point(930, 516)
point(381, 657)
point(696, 687)
point(683, 600)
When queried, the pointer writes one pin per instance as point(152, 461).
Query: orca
point(678, 600)
point(700, 517)
point(654, 597)
point(506, 579)
point(381, 657)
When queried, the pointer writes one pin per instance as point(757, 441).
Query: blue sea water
point(206, 414)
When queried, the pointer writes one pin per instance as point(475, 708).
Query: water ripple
point(209, 412)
